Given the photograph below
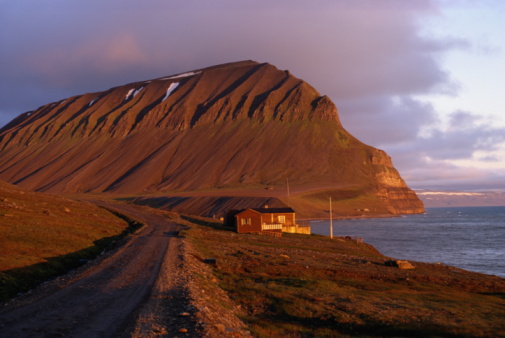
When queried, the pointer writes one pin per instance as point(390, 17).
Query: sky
point(422, 80)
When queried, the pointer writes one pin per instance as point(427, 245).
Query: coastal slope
point(43, 236)
point(237, 128)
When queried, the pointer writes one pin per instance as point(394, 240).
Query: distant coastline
point(440, 199)
point(340, 217)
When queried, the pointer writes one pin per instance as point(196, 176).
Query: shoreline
point(438, 236)
point(305, 219)
point(343, 288)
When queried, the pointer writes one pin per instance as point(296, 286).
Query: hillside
point(44, 235)
point(236, 127)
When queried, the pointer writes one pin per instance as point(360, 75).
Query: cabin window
point(246, 221)
point(281, 219)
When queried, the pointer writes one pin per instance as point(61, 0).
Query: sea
point(471, 238)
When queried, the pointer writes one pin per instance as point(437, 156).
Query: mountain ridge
point(243, 124)
point(119, 100)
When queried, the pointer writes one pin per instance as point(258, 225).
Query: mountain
point(228, 130)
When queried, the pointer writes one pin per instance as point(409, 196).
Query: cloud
point(345, 50)
point(384, 121)
point(102, 57)
point(444, 157)
point(466, 134)
point(374, 60)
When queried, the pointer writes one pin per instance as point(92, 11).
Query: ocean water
point(471, 238)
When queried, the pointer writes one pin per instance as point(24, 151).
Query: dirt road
point(136, 290)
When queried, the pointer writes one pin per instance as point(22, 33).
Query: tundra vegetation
point(304, 286)
point(296, 285)
point(43, 236)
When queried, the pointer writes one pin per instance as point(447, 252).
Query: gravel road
point(136, 290)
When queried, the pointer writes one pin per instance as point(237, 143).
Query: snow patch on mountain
point(130, 92)
point(170, 89)
point(181, 75)
point(137, 91)
point(92, 101)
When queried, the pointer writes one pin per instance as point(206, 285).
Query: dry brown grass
point(305, 286)
point(43, 235)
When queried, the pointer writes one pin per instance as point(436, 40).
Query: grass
point(346, 202)
point(311, 286)
point(44, 236)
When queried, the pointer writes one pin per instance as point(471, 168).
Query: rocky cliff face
point(240, 125)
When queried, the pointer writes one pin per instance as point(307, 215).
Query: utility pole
point(331, 222)
point(287, 185)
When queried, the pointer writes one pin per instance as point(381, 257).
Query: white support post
point(331, 222)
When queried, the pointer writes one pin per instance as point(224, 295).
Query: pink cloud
point(61, 66)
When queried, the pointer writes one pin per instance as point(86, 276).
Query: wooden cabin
point(266, 221)
point(261, 220)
